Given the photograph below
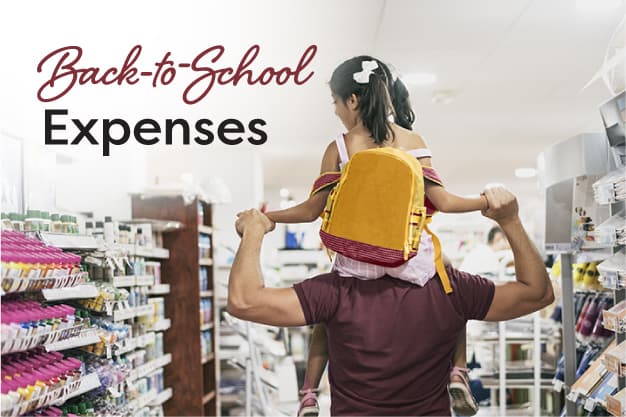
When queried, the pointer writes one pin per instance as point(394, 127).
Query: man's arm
point(248, 299)
point(532, 289)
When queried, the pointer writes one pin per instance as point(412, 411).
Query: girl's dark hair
point(380, 97)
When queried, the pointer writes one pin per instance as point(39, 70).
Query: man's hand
point(502, 205)
point(253, 221)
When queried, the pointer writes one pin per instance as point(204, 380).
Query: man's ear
point(353, 102)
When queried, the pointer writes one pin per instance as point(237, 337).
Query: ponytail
point(374, 108)
point(405, 116)
point(375, 103)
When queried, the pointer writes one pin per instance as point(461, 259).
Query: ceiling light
point(593, 6)
point(419, 78)
point(525, 172)
point(284, 193)
point(443, 97)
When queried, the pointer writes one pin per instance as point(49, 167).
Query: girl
point(365, 96)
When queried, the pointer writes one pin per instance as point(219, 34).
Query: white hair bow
point(363, 77)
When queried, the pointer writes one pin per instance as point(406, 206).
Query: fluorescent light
point(494, 185)
point(284, 193)
point(593, 6)
point(525, 172)
point(443, 97)
point(419, 78)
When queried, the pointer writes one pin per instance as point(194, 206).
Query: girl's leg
point(318, 357)
point(316, 363)
point(463, 401)
point(460, 354)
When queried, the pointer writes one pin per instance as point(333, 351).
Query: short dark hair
point(492, 234)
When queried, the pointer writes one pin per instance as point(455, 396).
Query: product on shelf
point(611, 188)
point(206, 342)
point(589, 326)
point(37, 379)
point(206, 311)
point(204, 246)
point(616, 404)
point(615, 359)
point(26, 324)
point(612, 232)
point(30, 265)
point(108, 297)
point(615, 318)
point(613, 270)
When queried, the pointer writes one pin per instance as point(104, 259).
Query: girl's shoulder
point(407, 139)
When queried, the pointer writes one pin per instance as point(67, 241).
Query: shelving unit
point(570, 197)
point(190, 258)
point(268, 369)
point(62, 339)
point(510, 373)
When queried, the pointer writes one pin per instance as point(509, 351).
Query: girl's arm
point(310, 209)
point(447, 202)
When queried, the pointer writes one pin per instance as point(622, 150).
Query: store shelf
point(68, 241)
point(124, 281)
point(517, 383)
point(133, 250)
point(80, 291)
point(161, 325)
point(149, 367)
point(207, 230)
point(207, 326)
point(29, 285)
point(132, 312)
point(159, 289)
point(131, 344)
point(184, 299)
point(143, 400)
point(208, 397)
point(86, 337)
point(206, 294)
point(133, 281)
point(161, 226)
point(21, 344)
point(208, 358)
point(162, 397)
point(59, 396)
point(514, 339)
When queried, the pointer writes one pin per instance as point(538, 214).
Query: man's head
point(497, 240)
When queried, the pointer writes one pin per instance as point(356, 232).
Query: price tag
point(573, 396)
point(130, 384)
point(109, 308)
point(590, 404)
point(558, 385)
point(114, 392)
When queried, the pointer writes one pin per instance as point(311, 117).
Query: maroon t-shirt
point(391, 343)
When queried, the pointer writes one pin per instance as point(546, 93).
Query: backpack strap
point(441, 268)
point(343, 151)
point(431, 174)
point(421, 153)
point(325, 181)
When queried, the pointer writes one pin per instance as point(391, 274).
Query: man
point(485, 259)
point(390, 343)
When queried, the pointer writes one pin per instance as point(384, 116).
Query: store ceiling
point(516, 69)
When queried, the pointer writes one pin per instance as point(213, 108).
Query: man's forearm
point(529, 267)
point(246, 277)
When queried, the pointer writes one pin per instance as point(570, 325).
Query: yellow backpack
point(376, 212)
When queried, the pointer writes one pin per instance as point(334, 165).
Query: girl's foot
point(463, 402)
point(309, 406)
